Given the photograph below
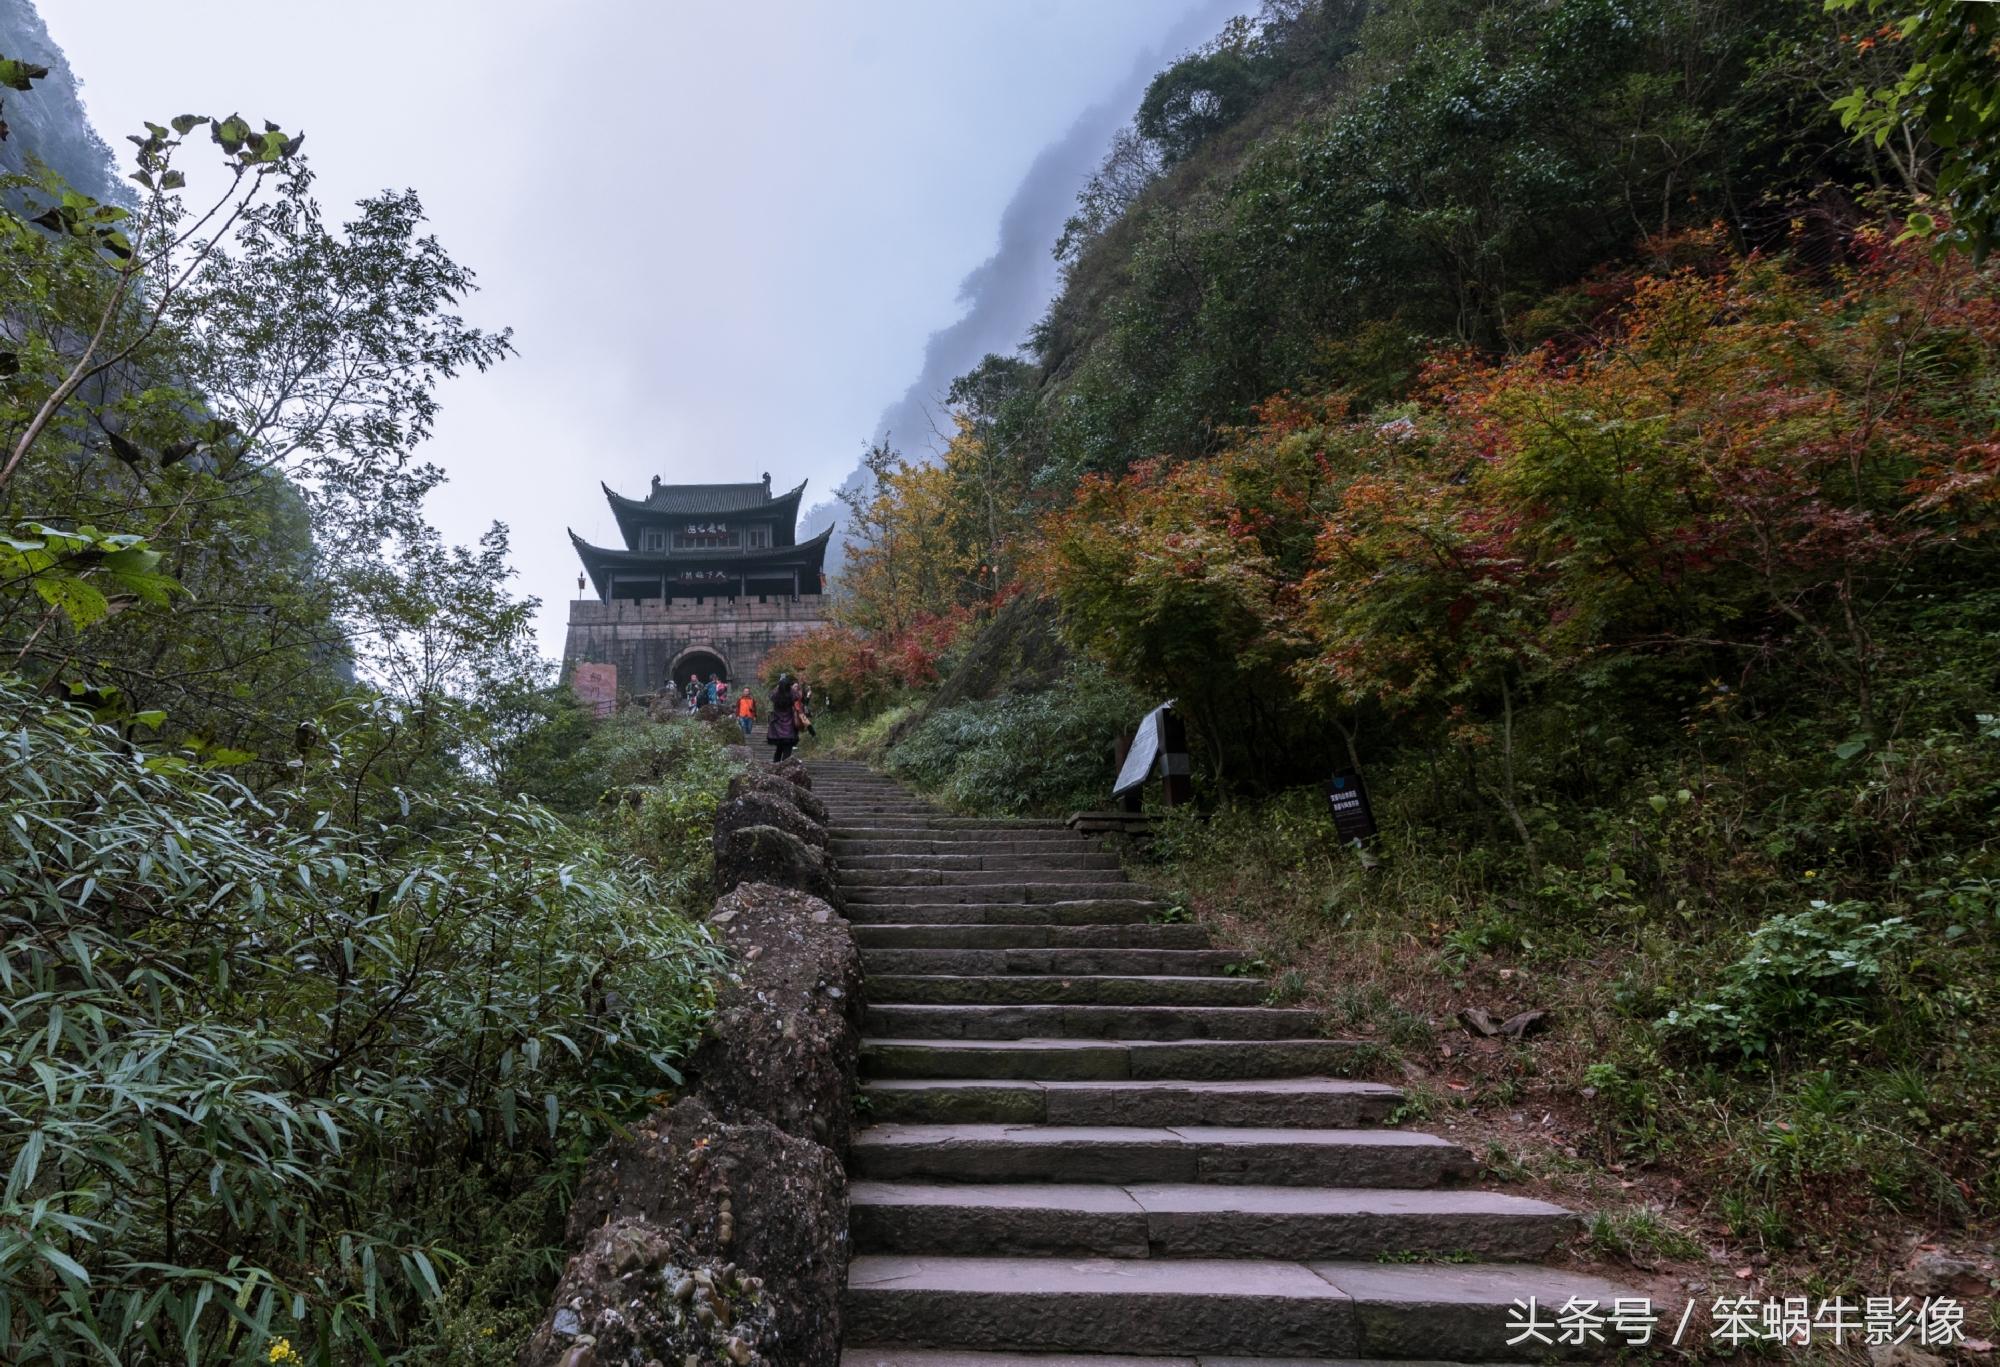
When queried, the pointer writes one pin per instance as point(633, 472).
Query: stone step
point(1078, 858)
point(1013, 935)
point(1025, 989)
point(1099, 1060)
point(1301, 1102)
point(932, 826)
point(867, 880)
point(1040, 842)
point(1088, 912)
point(856, 891)
point(1204, 1305)
point(1139, 1153)
point(1178, 1220)
point(985, 1021)
point(958, 1357)
point(1205, 963)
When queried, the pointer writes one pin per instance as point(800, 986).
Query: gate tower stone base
point(650, 641)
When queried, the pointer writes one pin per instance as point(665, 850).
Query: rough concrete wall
point(644, 639)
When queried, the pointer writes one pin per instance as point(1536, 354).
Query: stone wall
point(715, 1230)
point(646, 641)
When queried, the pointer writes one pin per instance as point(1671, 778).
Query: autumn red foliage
point(1740, 456)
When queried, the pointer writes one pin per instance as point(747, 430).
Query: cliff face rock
point(48, 122)
point(1018, 651)
point(785, 1039)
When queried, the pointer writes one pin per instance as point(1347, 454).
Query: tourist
point(783, 732)
point(694, 693)
point(804, 708)
point(714, 695)
point(746, 712)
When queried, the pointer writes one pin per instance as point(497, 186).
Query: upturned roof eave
point(632, 513)
point(596, 557)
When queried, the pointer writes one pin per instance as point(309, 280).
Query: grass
point(1857, 1130)
point(1642, 1235)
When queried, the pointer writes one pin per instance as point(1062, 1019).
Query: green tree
point(1947, 96)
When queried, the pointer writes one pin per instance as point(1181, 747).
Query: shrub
point(860, 672)
point(264, 1077)
point(1044, 751)
point(1802, 973)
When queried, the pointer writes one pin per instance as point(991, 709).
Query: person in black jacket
point(783, 730)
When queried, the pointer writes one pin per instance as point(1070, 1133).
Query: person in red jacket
point(746, 712)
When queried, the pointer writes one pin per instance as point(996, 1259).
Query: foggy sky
point(1006, 293)
point(723, 234)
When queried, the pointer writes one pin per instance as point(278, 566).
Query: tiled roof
point(708, 498)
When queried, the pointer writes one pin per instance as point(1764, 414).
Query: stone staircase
point(1087, 1137)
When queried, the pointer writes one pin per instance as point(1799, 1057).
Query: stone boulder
point(745, 1193)
point(768, 854)
point(640, 1293)
point(759, 808)
point(794, 771)
point(772, 785)
point(786, 1035)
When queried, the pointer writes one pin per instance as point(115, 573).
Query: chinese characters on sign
point(706, 528)
point(1739, 1321)
point(1353, 818)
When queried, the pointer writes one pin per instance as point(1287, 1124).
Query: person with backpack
point(804, 708)
point(783, 731)
point(694, 694)
point(746, 712)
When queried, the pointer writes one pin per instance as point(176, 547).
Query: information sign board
point(1353, 818)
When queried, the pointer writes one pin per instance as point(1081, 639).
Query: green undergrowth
point(277, 1077)
point(1040, 752)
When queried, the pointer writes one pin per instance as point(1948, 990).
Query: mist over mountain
point(50, 124)
point(1005, 294)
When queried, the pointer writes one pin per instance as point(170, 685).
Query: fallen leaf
point(1524, 1023)
point(1459, 1086)
point(1744, 1274)
point(1478, 1021)
point(1976, 1345)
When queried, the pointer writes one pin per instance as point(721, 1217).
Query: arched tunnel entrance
point(700, 662)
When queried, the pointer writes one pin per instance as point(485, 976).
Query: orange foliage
point(860, 670)
point(1740, 453)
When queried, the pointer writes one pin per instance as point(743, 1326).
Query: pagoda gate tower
point(711, 578)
